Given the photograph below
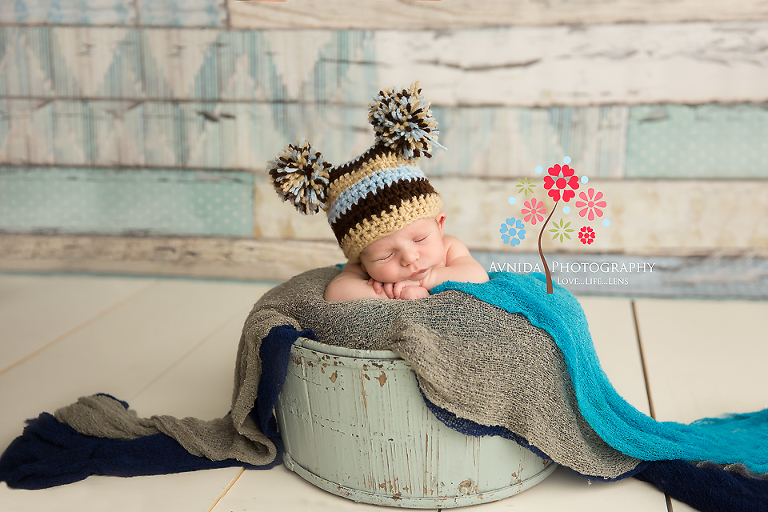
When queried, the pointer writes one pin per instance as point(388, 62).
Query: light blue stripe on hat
point(376, 181)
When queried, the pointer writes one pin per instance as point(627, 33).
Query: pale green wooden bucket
point(355, 424)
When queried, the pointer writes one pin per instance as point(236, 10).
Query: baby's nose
point(409, 257)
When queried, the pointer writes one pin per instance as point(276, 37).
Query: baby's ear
point(440, 220)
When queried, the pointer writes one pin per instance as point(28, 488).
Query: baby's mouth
point(418, 273)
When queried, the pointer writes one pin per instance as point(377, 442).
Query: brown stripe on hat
point(369, 230)
point(378, 201)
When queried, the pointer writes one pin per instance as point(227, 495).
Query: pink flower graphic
point(561, 177)
point(533, 211)
point(586, 235)
point(591, 204)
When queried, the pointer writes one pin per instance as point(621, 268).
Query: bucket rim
point(333, 350)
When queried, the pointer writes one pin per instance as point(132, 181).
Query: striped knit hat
point(377, 193)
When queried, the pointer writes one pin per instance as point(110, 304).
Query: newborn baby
point(386, 216)
point(407, 264)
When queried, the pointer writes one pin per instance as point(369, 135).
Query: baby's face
point(407, 254)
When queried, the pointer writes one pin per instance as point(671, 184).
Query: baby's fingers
point(414, 292)
point(399, 287)
point(377, 286)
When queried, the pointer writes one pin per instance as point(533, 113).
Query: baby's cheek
point(379, 273)
point(392, 272)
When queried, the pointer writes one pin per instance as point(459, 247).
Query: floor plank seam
point(667, 497)
point(226, 489)
point(642, 360)
point(79, 327)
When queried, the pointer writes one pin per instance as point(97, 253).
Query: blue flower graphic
point(512, 231)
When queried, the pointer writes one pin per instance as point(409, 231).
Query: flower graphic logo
point(562, 230)
point(525, 185)
point(586, 235)
point(534, 211)
point(512, 231)
point(591, 204)
point(560, 184)
point(559, 178)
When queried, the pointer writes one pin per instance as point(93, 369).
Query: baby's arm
point(459, 266)
point(351, 283)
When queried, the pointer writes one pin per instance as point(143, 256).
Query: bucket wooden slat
point(355, 424)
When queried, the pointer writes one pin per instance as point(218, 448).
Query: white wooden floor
point(167, 346)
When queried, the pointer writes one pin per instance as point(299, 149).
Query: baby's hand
point(387, 289)
point(414, 292)
point(395, 290)
point(378, 287)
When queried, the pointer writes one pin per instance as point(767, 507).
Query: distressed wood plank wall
point(134, 134)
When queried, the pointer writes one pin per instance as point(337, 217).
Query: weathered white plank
point(269, 260)
point(594, 64)
point(627, 63)
point(714, 276)
point(413, 14)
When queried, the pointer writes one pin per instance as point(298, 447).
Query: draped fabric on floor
point(509, 334)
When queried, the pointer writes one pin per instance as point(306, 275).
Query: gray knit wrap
point(472, 359)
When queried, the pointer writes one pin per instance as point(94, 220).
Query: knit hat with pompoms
point(377, 193)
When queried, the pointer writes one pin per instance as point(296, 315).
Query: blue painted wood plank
point(182, 13)
point(487, 142)
point(69, 12)
point(26, 66)
point(189, 64)
point(704, 141)
point(96, 62)
point(135, 201)
point(513, 141)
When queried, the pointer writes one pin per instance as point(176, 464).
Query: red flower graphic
point(533, 211)
point(586, 235)
point(561, 177)
point(591, 204)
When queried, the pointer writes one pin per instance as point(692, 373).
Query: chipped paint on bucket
point(355, 424)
